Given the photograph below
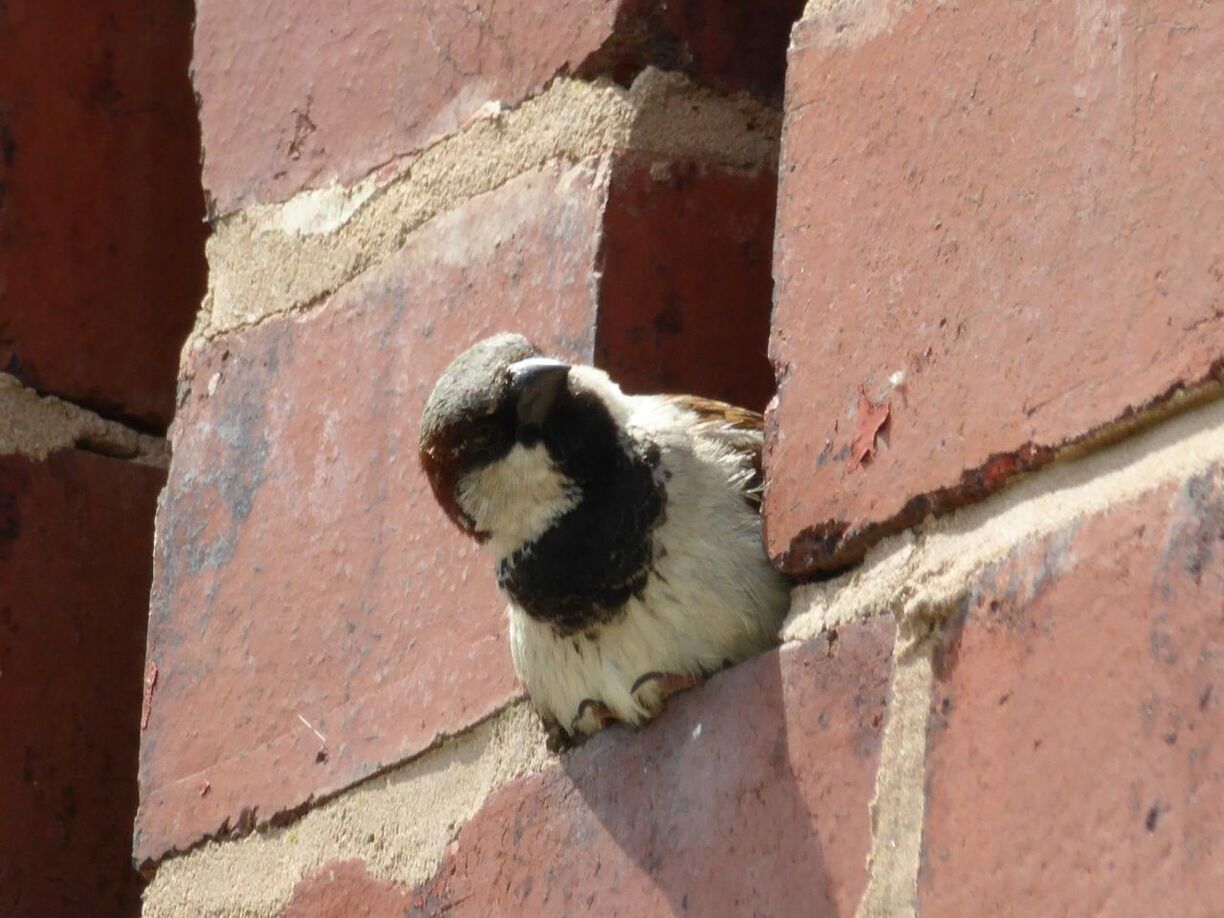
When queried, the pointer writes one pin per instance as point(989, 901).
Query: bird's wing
point(738, 429)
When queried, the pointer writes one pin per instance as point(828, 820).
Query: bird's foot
point(592, 717)
point(652, 690)
point(557, 738)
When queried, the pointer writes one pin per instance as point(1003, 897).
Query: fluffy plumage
point(625, 529)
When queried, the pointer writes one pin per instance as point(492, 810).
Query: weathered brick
point(101, 239)
point(1001, 219)
point(749, 796)
point(303, 568)
point(1075, 763)
point(346, 888)
point(76, 533)
point(297, 95)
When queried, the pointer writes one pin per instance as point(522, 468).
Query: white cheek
point(516, 499)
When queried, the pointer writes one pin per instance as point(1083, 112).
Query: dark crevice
point(686, 281)
point(834, 547)
point(686, 252)
point(727, 45)
point(107, 411)
point(101, 446)
point(629, 49)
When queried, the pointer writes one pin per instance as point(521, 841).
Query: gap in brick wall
point(686, 281)
point(728, 44)
point(686, 284)
point(103, 408)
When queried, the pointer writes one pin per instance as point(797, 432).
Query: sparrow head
point(481, 440)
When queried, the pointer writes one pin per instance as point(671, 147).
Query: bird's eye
point(482, 437)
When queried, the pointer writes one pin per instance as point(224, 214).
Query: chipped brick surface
point(299, 95)
point(686, 281)
point(1002, 219)
point(101, 232)
point(748, 796)
point(1075, 759)
point(76, 534)
point(303, 569)
point(346, 888)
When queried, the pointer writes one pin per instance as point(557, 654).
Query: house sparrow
point(625, 528)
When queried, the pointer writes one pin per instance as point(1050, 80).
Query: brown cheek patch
point(441, 466)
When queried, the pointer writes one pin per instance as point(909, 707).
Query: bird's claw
point(557, 738)
point(592, 716)
point(653, 689)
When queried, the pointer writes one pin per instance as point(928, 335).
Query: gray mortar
point(272, 259)
point(399, 825)
point(35, 426)
point(899, 805)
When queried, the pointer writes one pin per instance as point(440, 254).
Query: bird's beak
point(535, 384)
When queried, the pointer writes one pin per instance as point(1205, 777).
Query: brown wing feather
point(738, 429)
point(716, 412)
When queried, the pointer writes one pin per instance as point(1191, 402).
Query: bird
point(625, 530)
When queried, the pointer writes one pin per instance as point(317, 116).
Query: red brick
point(298, 95)
point(749, 796)
point(1076, 762)
point(101, 233)
point(76, 535)
point(303, 569)
point(686, 294)
point(345, 889)
point(1013, 205)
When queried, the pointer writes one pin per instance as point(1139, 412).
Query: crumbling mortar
point(898, 808)
point(271, 260)
point(34, 426)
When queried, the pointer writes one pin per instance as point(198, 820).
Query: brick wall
point(977, 251)
point(101, 271)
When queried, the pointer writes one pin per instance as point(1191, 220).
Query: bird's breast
point(585, 567)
